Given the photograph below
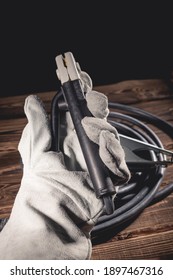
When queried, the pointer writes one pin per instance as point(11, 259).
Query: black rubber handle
point(78, 109)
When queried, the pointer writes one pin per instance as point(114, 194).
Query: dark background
point(112, 42)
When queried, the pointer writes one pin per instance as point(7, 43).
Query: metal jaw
point(67, 68)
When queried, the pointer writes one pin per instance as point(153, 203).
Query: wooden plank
point(127, 92)
point(9, 186)
point(149, 246)
point(136, 91)
point(13, 106)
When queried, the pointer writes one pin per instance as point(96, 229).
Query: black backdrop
point(112, 43)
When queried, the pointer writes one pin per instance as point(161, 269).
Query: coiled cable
point(144, 187)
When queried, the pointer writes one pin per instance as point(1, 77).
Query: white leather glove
point(55, 209)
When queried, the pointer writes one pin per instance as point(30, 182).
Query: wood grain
point(150, 236)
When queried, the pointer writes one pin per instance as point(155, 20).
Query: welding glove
point(55, 208)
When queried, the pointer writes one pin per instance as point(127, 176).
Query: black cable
point(144, 187)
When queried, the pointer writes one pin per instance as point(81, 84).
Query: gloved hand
point(55, 209)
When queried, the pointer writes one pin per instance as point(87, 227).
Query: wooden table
point(150, 236)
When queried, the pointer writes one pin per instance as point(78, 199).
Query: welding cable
point(143, 189)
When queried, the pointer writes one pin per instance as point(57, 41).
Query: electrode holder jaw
point(74, 96)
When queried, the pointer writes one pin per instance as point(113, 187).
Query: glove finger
point(94, 126)
point(36, 137)
point(112, 154)
point(97, 104)
point(86, 81)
